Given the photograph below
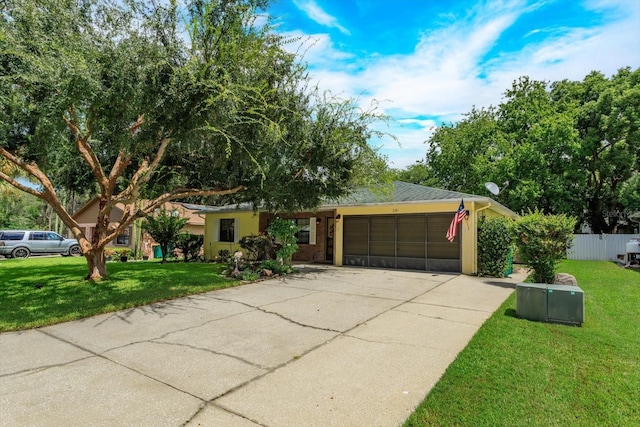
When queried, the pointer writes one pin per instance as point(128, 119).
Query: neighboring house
point(404, 228)
point(133, 237)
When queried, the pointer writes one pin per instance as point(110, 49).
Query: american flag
point(461, 213)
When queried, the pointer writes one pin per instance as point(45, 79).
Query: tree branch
point(48, 194)
point(31, 169)
point(9, 180)
point(145, 172)
point(87, 153)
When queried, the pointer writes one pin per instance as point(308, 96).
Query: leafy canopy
point(164, 101)
point(569, 147)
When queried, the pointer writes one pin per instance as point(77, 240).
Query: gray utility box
point(565, 304)
point(531, 301)
point(550, 303)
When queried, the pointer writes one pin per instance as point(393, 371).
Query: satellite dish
point(492, 187)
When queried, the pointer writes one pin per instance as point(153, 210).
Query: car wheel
point(75, 250)
point(20, 253)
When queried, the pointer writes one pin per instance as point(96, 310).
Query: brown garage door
point(411, 242)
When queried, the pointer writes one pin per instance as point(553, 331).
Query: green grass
point(64, 295)
point(516, 372)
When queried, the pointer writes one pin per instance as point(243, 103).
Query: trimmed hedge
point(494, 245)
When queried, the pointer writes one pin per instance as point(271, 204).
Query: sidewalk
point(330, 347)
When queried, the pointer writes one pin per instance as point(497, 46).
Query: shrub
point(494, 245)
point(258, 247)
point(224, 255)
point(190, 245)
point(275, 266)
point(248, 275)
point(284, 232)
point(542, 242)
point(164, 227)
point(121, 253)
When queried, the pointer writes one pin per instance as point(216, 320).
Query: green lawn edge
point(516, 372)
point(42, 291)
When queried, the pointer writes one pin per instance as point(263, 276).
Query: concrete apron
point(330, 347)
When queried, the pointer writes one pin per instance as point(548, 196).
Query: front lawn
point(516, 372)
point(42, 291)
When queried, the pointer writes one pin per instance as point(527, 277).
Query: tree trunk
point(164, 247)
point(96, 263)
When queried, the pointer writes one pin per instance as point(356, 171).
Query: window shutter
point(312, 231)
point(216, 230)
point(236, 230)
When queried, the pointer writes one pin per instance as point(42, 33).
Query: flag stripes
point(461, 214)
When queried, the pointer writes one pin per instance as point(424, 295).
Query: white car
point(22, 243)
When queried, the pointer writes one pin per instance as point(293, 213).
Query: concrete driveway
point(328, 347)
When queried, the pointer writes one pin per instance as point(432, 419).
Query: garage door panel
point(411, 228)
point(437, 226)
point(356, 235)
point(355, 260)
point(383, 228)
point(446, 250)
point(382, 262)
point(448, 265)
point(382, 249)
point(411, 250)
point(356, 247)
point(411, 263)
point(356, 226)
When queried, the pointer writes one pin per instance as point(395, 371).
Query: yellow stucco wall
point(247, 224)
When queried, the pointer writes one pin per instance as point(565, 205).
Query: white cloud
point(448, 74)
point(315, 13)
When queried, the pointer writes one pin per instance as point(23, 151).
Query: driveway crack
point(102, 356)
point(294, 322)
point(217, 353)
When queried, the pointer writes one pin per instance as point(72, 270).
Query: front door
point(329, 239)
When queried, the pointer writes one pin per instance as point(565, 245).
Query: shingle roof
point(400, 192)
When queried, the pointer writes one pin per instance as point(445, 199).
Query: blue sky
point(428, 62)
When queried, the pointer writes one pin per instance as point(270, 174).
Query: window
point(227, 230)
point(11, 235)
point(304, 229)
point(123, 238)
point(37, 235)
point(53, 236)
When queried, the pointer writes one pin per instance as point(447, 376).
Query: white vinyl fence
point(599, 247)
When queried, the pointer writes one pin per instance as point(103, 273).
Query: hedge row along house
point(402, 228)
point(133, 237)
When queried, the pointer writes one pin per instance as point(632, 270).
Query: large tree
point(564, 148)
point(126, 99)
point(607, 119)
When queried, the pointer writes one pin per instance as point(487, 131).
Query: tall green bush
point(494, 245)
point(164, 227)
point(284, 232)
point(542, 242)
point(190, 245)
point(258, 248)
